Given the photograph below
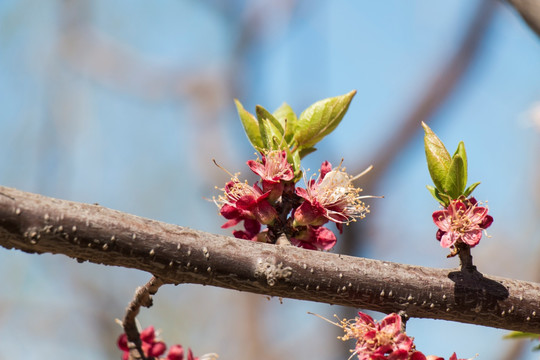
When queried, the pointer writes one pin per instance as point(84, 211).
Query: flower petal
point(448, 239)
point(472, 238)
point(442, 219)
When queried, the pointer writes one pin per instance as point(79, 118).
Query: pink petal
point(488, 220)
point(442, 219)
point(302, 193)
point(365, 319)
point(326, 167)
point(417, 355)
point(230, 223)
point(391, 324)
point(472, 237)
point(176, 352)
point(399, 355)
point(478, 214)
point(448, 239)
point(325, 238)
point(256, 167)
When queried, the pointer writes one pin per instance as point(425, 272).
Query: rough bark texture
point(38, 224)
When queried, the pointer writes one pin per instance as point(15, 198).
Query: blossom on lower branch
point(154, 348)
point(384, 340)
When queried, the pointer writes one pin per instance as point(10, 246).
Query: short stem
point(465, 257)
point(404, 318)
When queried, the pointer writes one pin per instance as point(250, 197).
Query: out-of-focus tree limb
point(37, 224)
point(435, 94)
point(529, 11)
point(442, 86)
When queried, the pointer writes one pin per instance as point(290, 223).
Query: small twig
point(143, 297)
point(404, 319)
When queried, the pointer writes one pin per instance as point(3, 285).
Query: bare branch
point(38, 224)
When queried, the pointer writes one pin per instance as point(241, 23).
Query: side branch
point(38, 224)
point(143, 297)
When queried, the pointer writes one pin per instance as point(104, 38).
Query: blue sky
point(140, 137)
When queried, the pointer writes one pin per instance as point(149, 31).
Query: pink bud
point(176, 352)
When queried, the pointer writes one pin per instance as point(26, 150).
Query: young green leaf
point(470, 189)
point(304, 152)
point(251, 126)
point(320, 119)
point(287, 118)
point(453, 184)
point(461, 151)
point(438, 158)
point(272, 137)
point(437, 195)
point(295, 161)
point(262, 114)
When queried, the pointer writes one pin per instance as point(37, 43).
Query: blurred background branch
point(529, 11)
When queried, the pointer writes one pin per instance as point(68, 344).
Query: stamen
point(369, 168)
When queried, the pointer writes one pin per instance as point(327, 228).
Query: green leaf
point(461, 152)
point(470, 189)
point(438, 158)
point(272, 132)
point(251, 126)
point(306, 151)
point(521, 335)
point(320, 119)
point(272, 137)
point(296, 165)
point(453, 184)
point(287, 118)
point(262, 114)
point(444, 201)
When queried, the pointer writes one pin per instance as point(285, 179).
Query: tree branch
point(38, 224)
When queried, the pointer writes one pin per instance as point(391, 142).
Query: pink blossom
point(461, 221)
point(419, 356)
point(251, 232)
point(315, 238)
point(241, 201)
point(454, 357)
point(150, 346)
point(274, 167)
point(332, 197)
point(177, 353)
point(274, 170)
point(378, 341)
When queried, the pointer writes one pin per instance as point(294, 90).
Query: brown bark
point(38, 224)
